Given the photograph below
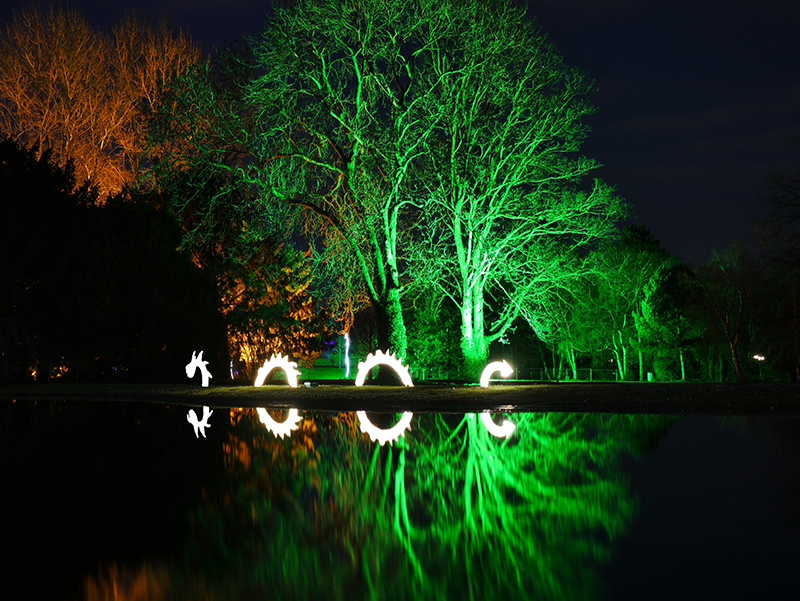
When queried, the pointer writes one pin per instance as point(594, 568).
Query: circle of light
point(290, 368)
point(504, 430)
point(377, 434)
point(382, 436)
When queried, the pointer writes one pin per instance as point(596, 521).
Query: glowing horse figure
point(194, 364)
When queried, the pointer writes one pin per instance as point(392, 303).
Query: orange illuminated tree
point(73, 88)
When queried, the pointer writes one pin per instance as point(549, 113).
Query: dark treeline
point(93, 292)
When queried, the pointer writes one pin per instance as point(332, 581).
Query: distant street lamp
point(760, 359)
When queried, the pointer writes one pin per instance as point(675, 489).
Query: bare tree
point(509, 203)
point(68, 86)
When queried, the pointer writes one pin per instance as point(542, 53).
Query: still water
point(124, 501)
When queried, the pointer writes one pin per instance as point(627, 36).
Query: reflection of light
point(347, 355)
point(758, 357)
point(382, 436)
point(376, 434)
point(279, 428)
point(289, 367)
point(380, 359)
point(508, 426)
point(502, 366)
point(198, 362)
point(503, 431)
point(199, 425)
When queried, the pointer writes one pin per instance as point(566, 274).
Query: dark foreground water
point(124, 501)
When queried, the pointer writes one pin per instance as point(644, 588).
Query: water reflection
point(449, 511)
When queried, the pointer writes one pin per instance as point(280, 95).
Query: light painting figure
point(285, 427)
point(504, 430)
point(502, 366)
point(289, 367)
point(197, 361)
point(380, 359)
point(199, 425)
point(399, 429)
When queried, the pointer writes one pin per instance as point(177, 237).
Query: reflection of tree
point(449, 509)
point(526, 516)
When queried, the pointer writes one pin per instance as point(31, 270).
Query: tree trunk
point(391, 333)
point(571, 360)
point(683, 367)
point(641, 361)
point(474, 345)
point(739, 373)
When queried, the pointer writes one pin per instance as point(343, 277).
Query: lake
point(125, 498)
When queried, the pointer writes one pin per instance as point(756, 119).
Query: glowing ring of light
point(290, 368)
point(380, 359)
point(508, 426)
point(382, 436)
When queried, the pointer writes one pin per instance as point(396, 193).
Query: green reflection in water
point(449, 512)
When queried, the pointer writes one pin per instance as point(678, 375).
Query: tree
point(509, 203)
point(621, 271)
point(781, 221)
point(344, 105)
point(665, 316)
point(68, 86)
point(267, 307)
point(94, 291)
point(729, 283)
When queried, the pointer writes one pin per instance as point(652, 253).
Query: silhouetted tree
point(729, 283)
point(99, 290)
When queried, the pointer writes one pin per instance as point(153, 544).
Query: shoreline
point(655, 398)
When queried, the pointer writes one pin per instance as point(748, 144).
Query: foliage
point(267, 308)
point(433, 335)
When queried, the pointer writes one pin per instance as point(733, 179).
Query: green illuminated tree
point(67, 86)
point(621, 271)
point(509, 200)
point(666, 318)
point(345, 124)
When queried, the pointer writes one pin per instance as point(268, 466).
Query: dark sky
point(697, 98)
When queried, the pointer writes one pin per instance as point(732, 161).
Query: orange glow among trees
point(78, 90)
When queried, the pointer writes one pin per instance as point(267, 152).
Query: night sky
point(697, 99)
